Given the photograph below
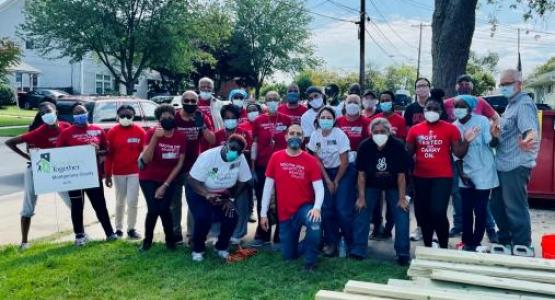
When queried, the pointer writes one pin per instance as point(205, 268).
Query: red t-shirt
point(77, 136)
point(247, 126)
point(44, 137)
point(222, 136)
point(165, 157)
point(295, 113)
point(125, 144)
point(357, 130)
point(293, 178)
point(267, 129)
point(243, 117)
point(433, 148)
point(193, 138)
point(398, 123)
point(482, 108)
point(204, 107)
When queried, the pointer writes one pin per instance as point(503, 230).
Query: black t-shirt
point(382, 166)
point(414, 114)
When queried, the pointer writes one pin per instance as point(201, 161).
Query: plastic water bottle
point(342, 248)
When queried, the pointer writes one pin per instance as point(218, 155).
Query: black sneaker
point(119, 233)
point(403, 261)
point(133, 235)
point(112, 237)
point(252, 219)
point(492, 236)
point(178, 239)
point(171, 246)
point(454, 232)
point(356, 257)
point(329, 251)
point(145, 247)
point(386, 235)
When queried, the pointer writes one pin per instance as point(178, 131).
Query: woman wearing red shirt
point(125, 142)
point(83, 133)
point(163, 159)
point(432, 142)
point(398, 123)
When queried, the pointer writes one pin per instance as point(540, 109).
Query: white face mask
point(205, 95)
point(238, 103)
point(252, 115)
point(316, 103)
point(431, 116)
point(272, 106)
point(369, 103)
point(125, 122)
point(380, 139)
point(352, 109)
point(49, 118)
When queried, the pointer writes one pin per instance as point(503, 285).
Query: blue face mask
point(231, 155)
point(325, 124)
point(460, 113)
point(507, 91)
point(293, 97)
point(230, 124)
point(81, 119)
point(386, 106)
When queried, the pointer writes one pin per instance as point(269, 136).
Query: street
point(11, 172)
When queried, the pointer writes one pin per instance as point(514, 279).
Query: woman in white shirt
point(331, 146)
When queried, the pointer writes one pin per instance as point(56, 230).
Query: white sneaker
point(82, 241)
point(198, 256)
point(416, 235)
point(482, 249)
point(235, 241)
point(24, 246)
point(500, 249)
point(435, 245)
point(521, 250)
point(223, 254)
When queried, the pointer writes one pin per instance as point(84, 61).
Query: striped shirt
point(521, 116)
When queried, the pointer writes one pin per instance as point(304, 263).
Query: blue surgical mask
point(231, 155)
point(386, 106)
point(293, 97)
point(460, 113)
point(272, 106)
point(81, 119)
point(49, 118)
point(507, 91)
point(325, 124)
point(294, 143)
point(230, 124)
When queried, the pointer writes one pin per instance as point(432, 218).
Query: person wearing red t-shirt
point(125, 144)
point(208, 104)
point(199, 135)
point(83, 133)
point(293, 108)
point(432, 142)
point(297, 178)
point(43, 137)
point(268, 137)
point(238, 97)
point(161, 161)
point(370, 104)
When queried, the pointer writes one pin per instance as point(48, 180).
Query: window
point(550, 88)
point(29, 44)
point(103, 84)
point(148, 109)
point(105, 112)
point(18, 77)
point(137, 109)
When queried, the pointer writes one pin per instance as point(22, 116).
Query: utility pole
point(420, 27)
point(519, 63)
point(362, 39)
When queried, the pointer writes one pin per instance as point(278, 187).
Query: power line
point(346, 7)
point(390, 56)
point(387, 39)
point(302, 9)
point(388, 25)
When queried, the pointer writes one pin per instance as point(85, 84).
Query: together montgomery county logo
point(59, 169)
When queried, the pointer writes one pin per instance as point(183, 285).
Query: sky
point(394, 27)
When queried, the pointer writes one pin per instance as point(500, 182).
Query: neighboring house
point(543, 87)
point(87, 77)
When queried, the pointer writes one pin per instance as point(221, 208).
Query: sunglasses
point(189, 101)
point(126, 116)
point(238, 97)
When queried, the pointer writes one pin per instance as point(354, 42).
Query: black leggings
point(158, 208)
point(98, 202)
point(430, 207)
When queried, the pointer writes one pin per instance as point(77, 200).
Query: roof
point(24, 68)
point(545, 78)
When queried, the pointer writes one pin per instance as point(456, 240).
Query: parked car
point(500, 102)
point(32, 99)
point(402, 98)
point(175, 101)
point(103, 110)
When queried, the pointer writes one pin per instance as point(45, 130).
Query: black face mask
point(167, 124)
point(190, 108)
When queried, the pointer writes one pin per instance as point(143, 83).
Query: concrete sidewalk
point(52, 222)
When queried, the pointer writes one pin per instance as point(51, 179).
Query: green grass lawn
point(14, 121)
point(11, 132)
point(13, 110)
point(118, 271)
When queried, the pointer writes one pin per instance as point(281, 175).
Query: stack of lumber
point(441, 274)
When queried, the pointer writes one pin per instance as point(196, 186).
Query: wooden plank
point(495, 282)
point(423, 268)
point(485, 259)
point(374, 289)
point(333, 295)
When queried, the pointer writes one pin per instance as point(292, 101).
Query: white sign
point(64, 169)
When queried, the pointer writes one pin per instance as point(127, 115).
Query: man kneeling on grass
point(217, 178)
point(300, 194)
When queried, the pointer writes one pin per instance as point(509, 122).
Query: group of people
point(327, 169)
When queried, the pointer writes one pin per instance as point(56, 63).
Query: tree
point(270, 36)
point(125, 35)
point(453, 25)
point(481, 69)
point(548, 66)
point(400, 78)
point(10, 54)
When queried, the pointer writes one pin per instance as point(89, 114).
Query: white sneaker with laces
point(198, 256)
point(521, 250)
point(223, 254)
point(482, 249)
point(435, 245)
point(24, 246)
point(82, 241)
point(416, 235)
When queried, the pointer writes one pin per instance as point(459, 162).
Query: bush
point(7, 96)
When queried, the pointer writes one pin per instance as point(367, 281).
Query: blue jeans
point(361, 224)
point(337, 209)
point(290, 231)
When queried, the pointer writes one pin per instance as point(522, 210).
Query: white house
point(544, 87)
point(87, 77)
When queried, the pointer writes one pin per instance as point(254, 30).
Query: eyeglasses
point(189, 101)
point(238, 97)
point(125, 116)
point(503, 84)
point(436, 109)
point(421, 86)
